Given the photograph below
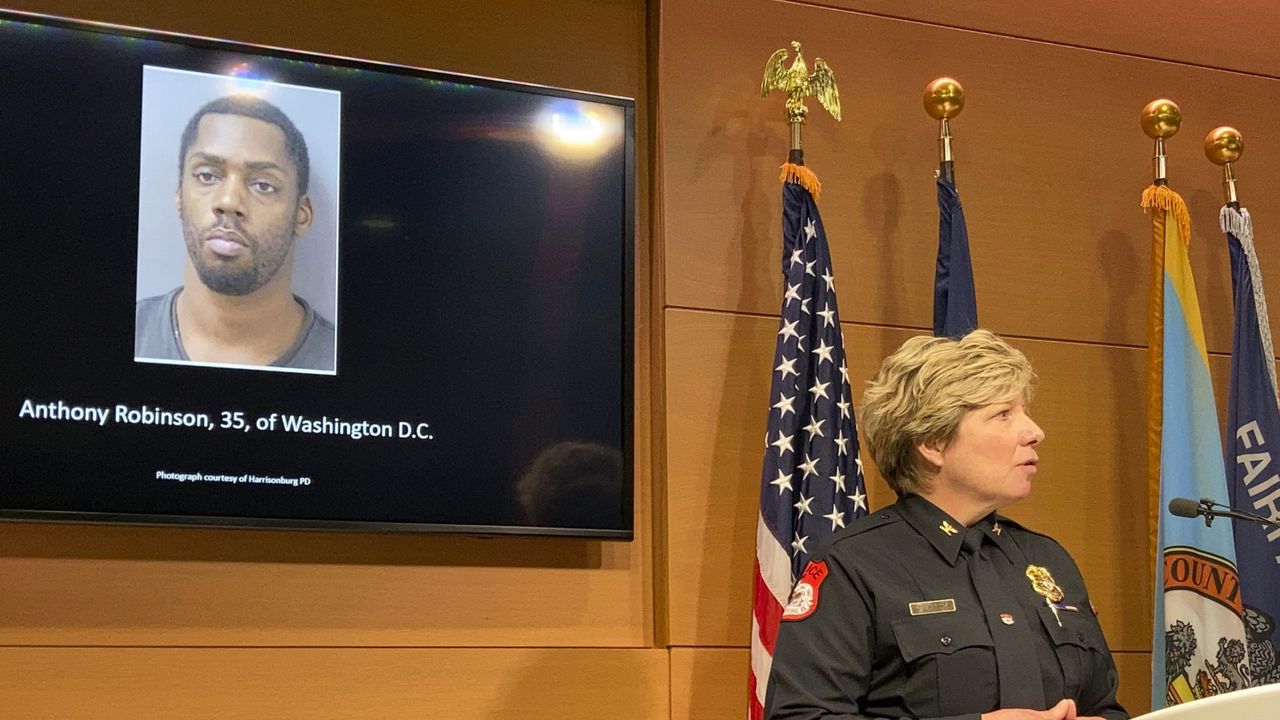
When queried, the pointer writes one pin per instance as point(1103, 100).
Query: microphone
point(1188, 508)
point(1185, 507)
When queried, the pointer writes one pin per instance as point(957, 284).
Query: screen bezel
point(627, 302)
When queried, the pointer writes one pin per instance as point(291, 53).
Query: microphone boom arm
point(1210, 510)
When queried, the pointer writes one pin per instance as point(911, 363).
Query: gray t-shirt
point(156, 335)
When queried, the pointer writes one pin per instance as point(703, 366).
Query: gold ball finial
point(1223, 145)
point(943, 98)
point(1161, 118)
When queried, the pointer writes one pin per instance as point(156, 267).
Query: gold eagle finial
point(798, 83)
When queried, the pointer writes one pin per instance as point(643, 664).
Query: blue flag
point(1253, 427)
point(955, 306)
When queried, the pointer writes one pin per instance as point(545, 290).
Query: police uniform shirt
point(887, 622)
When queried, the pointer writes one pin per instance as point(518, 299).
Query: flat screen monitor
point(254, 287)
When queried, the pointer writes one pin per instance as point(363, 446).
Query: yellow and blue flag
point(1198, 643)
point(1253, 431)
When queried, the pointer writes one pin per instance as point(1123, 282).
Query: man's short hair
point(252, 107)
point(923, 390)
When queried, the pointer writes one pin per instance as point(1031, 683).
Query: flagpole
point(1161, 119)
point(1252, 412)
point(1224, 146)
point(955, 306)
point(943, 100)
point(810, 385)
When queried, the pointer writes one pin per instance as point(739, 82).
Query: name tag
point(932, 607)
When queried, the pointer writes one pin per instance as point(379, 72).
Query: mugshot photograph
point(938, 606)
point(248, 197)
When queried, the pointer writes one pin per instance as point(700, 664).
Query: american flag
point(811, 485)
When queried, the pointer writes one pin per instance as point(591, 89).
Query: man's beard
point(268, 254)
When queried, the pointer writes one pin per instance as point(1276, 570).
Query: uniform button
point(945, 640)
point(1080, 636)
point(884, 516)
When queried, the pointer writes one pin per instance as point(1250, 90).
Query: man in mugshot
point(242, 200)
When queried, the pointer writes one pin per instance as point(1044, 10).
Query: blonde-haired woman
point(937, 606)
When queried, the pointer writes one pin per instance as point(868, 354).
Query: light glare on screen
point(242, 79)
point(577, 130)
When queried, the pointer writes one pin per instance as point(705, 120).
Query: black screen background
point(488, 299)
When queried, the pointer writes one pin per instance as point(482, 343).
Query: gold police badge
point(1043, 583)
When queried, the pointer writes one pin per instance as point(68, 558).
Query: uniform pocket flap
point(1076, 629)
point(941, 634)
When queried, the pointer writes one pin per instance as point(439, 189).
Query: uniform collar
point(945, 533)
point(997, 531)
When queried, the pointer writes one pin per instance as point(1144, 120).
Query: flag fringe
point(1161, 197)
point(1238, 223)
point(803, 177)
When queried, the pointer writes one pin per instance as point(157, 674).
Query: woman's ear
point(931, 451)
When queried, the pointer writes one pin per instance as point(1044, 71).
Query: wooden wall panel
point(1051, 163)
point(707, 683)
point(288, 683)
point(73, 585)
point(1135, 681)
point(1237, 36)
point(1090, 493)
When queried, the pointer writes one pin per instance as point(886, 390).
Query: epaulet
point(1023, 528)
point(866, 523)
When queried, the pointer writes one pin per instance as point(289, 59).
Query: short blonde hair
point(922, 391)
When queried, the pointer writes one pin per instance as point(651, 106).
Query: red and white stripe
point(772, 589)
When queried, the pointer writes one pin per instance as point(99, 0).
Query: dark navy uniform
point(901, 616)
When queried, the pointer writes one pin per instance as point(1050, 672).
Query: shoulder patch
point(804, 598)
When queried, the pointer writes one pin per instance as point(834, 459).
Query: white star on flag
point(785, 404)
point(802, 505)
point(823, 351)
point(788, 367)
point(814, 428)
point(836, 517)
point(809, 466)
point(783, 482)
point(828, 317)
point(783, 443)
point(859, 499)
